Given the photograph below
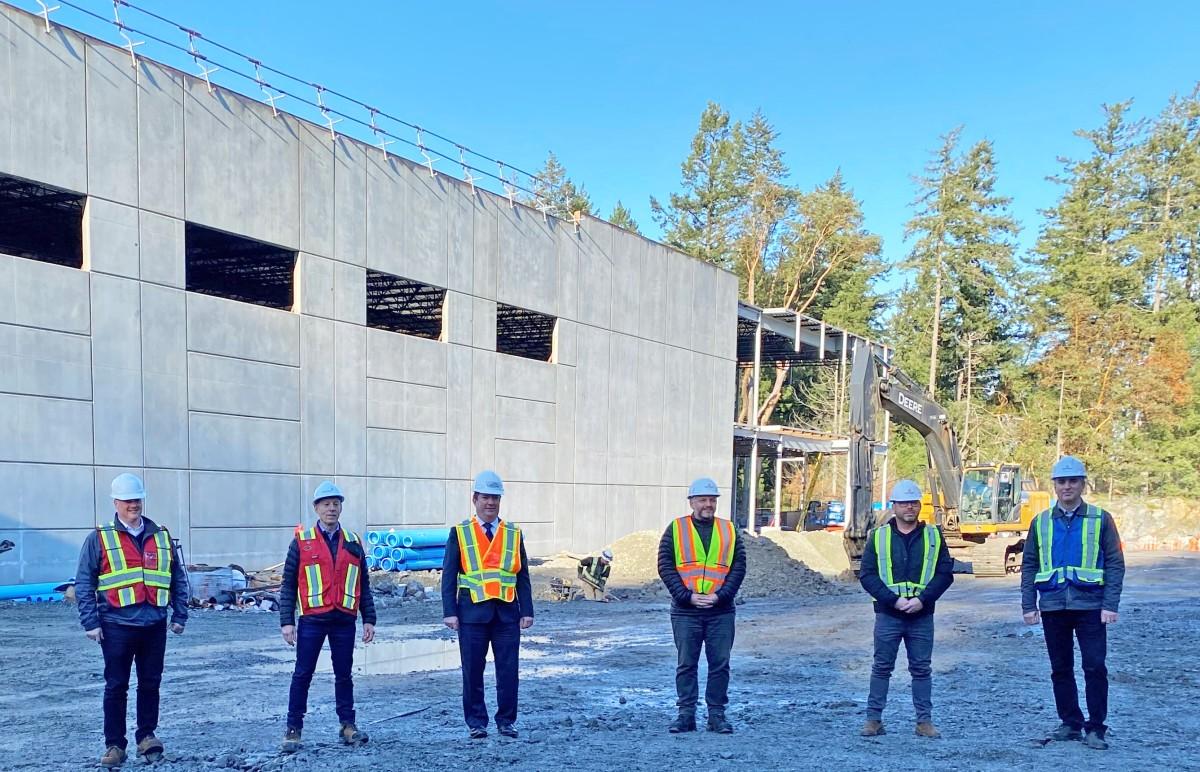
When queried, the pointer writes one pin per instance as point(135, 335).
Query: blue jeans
point(715, 633)
point(310, 638)
point(917, 635)
point(123, 647)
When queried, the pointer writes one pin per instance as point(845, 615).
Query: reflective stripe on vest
point(326, 583)
point(592, 573)
point(703, 571)
point(931, 539)
point(1084, 569)
point(131, 574)
point(488, 572)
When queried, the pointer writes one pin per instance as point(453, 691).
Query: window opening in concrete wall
point(403, 305)
point(524, 333)
point(40, 222)
point(239, 268)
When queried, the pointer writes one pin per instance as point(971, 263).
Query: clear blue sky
point(615, 89)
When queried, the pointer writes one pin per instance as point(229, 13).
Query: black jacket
point(93, 606)
point(291, 580)
point(1069, 596)
point(457, 603)
point(908, 556)
point(681, 596)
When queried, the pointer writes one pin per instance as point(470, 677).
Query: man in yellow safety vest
point(702, 562)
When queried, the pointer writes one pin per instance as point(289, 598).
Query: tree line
point(1087, 344)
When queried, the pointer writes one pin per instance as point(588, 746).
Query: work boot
point(349, 734)
point(717, 722)
point(291, 740)
point(873, 728)
point(685, 722)
point(478, 733)
point(926, 729)
point(507, 730)
point(1066, 732)
point(1095, 741)
point(113, 757)
point(151, 748)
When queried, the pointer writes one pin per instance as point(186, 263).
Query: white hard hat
point(704, 486)
point(128, 487)
point(905, 490)
point(327, 490)
point(489, 483)
point(1068, 466)
point(607, 555)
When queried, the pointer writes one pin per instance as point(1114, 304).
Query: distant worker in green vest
point(1073, 570)
point(905, 567)
point(702, 562)
point(594, 572)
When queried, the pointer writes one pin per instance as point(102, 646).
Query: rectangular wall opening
point(402, 305)
point(39, 222)
point(524, 333)
point(239, 268)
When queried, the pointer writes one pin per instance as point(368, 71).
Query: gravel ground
point(597, 689)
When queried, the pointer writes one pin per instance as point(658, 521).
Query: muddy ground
point(597, 689)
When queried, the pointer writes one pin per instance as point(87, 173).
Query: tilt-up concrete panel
point(164, 376)
point(564, 516)
point(168, 502)
point(648, 434)
point(52, 297)
point(526, 462)
point(242, 387)
point(591, 511)
point(525, 378)
point(384, 495)
point(160, 120)
point(234, 329)
point(45, 496)
point(564, 426)
point(486, 240)
point(423, 502)
point(457, 318)
point(655, 296)
point(567, 248)
point(527, 274)
point(349, 293)
point(45, 363)
point(314, 285)
point(681, 317)
point(234, 499)
point(591, 406)
point(161, 250)
point(112, 130)
point(531, 506)
point(621, 518)
point(457, 398)
point(677, 416)
point(483, 324)
point(116, 371)
point(111, 238)
point(316, 191)
point(387, 214)
point(257, 547)
point(385, 354)
point(595, 274)
point(425, 361)
point(424, 245)
point(318, 422)
point(628, 257)
point(50, 555)
point(228, 443)
point(241, 166)
point(526, 420)
point(397, 453)
point(483, 410)
point(42, 81)
point(460, 244)
point(350, 399)
point(350, 202)
point(44, 430)
point(409, 406)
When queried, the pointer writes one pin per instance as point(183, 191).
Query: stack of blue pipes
point(414, 549)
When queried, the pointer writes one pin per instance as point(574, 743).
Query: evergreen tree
point(623, 218)
point(553, 189)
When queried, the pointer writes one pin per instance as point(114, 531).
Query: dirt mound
point(1149, 523)
point(822, 551)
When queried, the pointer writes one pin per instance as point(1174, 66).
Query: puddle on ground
point(395, 657)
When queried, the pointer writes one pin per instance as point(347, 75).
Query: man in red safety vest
point(326, 575)
point(702, 562)
point(129, 575)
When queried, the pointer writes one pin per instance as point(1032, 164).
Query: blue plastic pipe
point(374, 537)
point(380, 551)
point(392, 539)
point(425, 537)
point(16, 591)
point(371, 562)
point(419, 565)
point(387, 564)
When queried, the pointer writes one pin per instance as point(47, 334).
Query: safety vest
point(594, 574)
point(130, 574)
point(326, 584)
point(703, 571)
point(488, 570)
point(1065, 557)
point(931, 539)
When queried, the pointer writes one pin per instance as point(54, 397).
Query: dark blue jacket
point(1071, 596)
point(457, 603)
point(94, 608)
point(908, 556)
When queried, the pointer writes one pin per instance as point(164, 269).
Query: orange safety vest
point(488, 571)
point(325, 584)
point(703, 571)
point(130, 574)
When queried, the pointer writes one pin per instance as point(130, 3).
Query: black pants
point(1060, 627)
point(311, 633)
point(715, 634)
point(505, 641)
point(123, 647)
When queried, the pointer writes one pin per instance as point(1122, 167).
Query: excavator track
point(997, 556)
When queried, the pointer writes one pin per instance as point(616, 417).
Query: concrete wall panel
point(592, 507)
point(36, 294)
point(350, 202)
point(528, 420)
point(564, 426)
point(566, 343)
point(164, 376)
point(384, 497)
point(45, 363)
point(46, 496)
point(525, 378)
point(42, 83)
point(457, 316)
point(240, 387)
point(233, 329)
point(316, 191)
point(385, 354)
point(395, 405)
point(458, 412)
point(591, 406)
point(628, 258)
point(460, 238)
point(568, 250)
point(116, 371)
point(425, 234)
point(112, 130)
point(526, 462)
point(161, 250)
point(237, 157)
point(483, 324)
point(350, 399)
point(394, 453)
point(527, 263)
point(43, 430)
point(423, 502)
point(350, 293)
point(680, 321)
point(677, 416)
point(236, 499)
point(50, 555)
point(655, 295)
point(237, 443)
point(425, 362)
point(486, 242)
point(595, 274)
point(160, 139)
point(318, 425)
point(314, 286)
point(648, 432)
point(483, 410)
point(387, 214)
point(258, 547)
point(168, 502)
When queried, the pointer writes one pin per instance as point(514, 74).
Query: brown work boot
point(873, 728)
point(151, 748)
point(113, 757)
point(349, 734)
point(926, 729)
point(291, 741)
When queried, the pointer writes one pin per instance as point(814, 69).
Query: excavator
point(984, 509)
